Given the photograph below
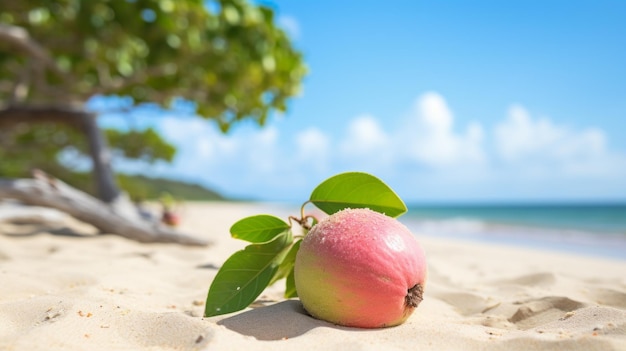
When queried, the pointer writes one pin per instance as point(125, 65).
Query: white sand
point(63, 288)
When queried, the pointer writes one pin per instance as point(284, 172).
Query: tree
point(227, 57)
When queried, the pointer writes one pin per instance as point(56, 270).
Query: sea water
point(594, 229)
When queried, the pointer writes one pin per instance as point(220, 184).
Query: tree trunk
point(106, 186)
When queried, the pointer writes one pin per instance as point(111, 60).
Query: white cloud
point(235, 163)
point(313, 149)
point(519, 136)
point(197, 139)
point(248, 161)
point(200, 143)
point(433, 140)
point(540, 145)
point(259, 151)
point(365, 137)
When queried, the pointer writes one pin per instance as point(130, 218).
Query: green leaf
point(286, 266)
point(245, 275)
point(290, 286)
point(357, 190)
point(258, 229)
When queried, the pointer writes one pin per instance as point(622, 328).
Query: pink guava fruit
point(360, 268)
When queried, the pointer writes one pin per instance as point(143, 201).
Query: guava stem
point(302, 209)
point(303, 221)
point(414, 296)
point(306, 225)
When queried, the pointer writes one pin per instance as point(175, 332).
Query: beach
point(64, 287)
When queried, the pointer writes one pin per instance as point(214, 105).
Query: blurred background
point(474, 112)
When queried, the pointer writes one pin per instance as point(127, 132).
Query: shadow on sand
point(283, 320)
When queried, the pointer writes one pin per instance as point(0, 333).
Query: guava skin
point(360, 268)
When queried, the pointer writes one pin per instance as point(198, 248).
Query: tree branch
point(14, 114)
point(18, 37)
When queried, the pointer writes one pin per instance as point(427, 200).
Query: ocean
point(591, 229)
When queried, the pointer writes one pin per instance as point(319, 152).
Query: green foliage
point(27, 147)
point(21, 149)
point(244, 276)
point(233, 63)
point(258, 229)
point(271, 257)
point(357, 190)
point(146, 145)
point(146, 188)
point(286, 266)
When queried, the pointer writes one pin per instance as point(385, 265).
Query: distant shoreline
point(588, 217)
point(578, 241)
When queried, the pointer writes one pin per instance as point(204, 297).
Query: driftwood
point(119, 217)
point(16, 213)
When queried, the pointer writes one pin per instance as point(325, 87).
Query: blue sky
point(451, 101)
